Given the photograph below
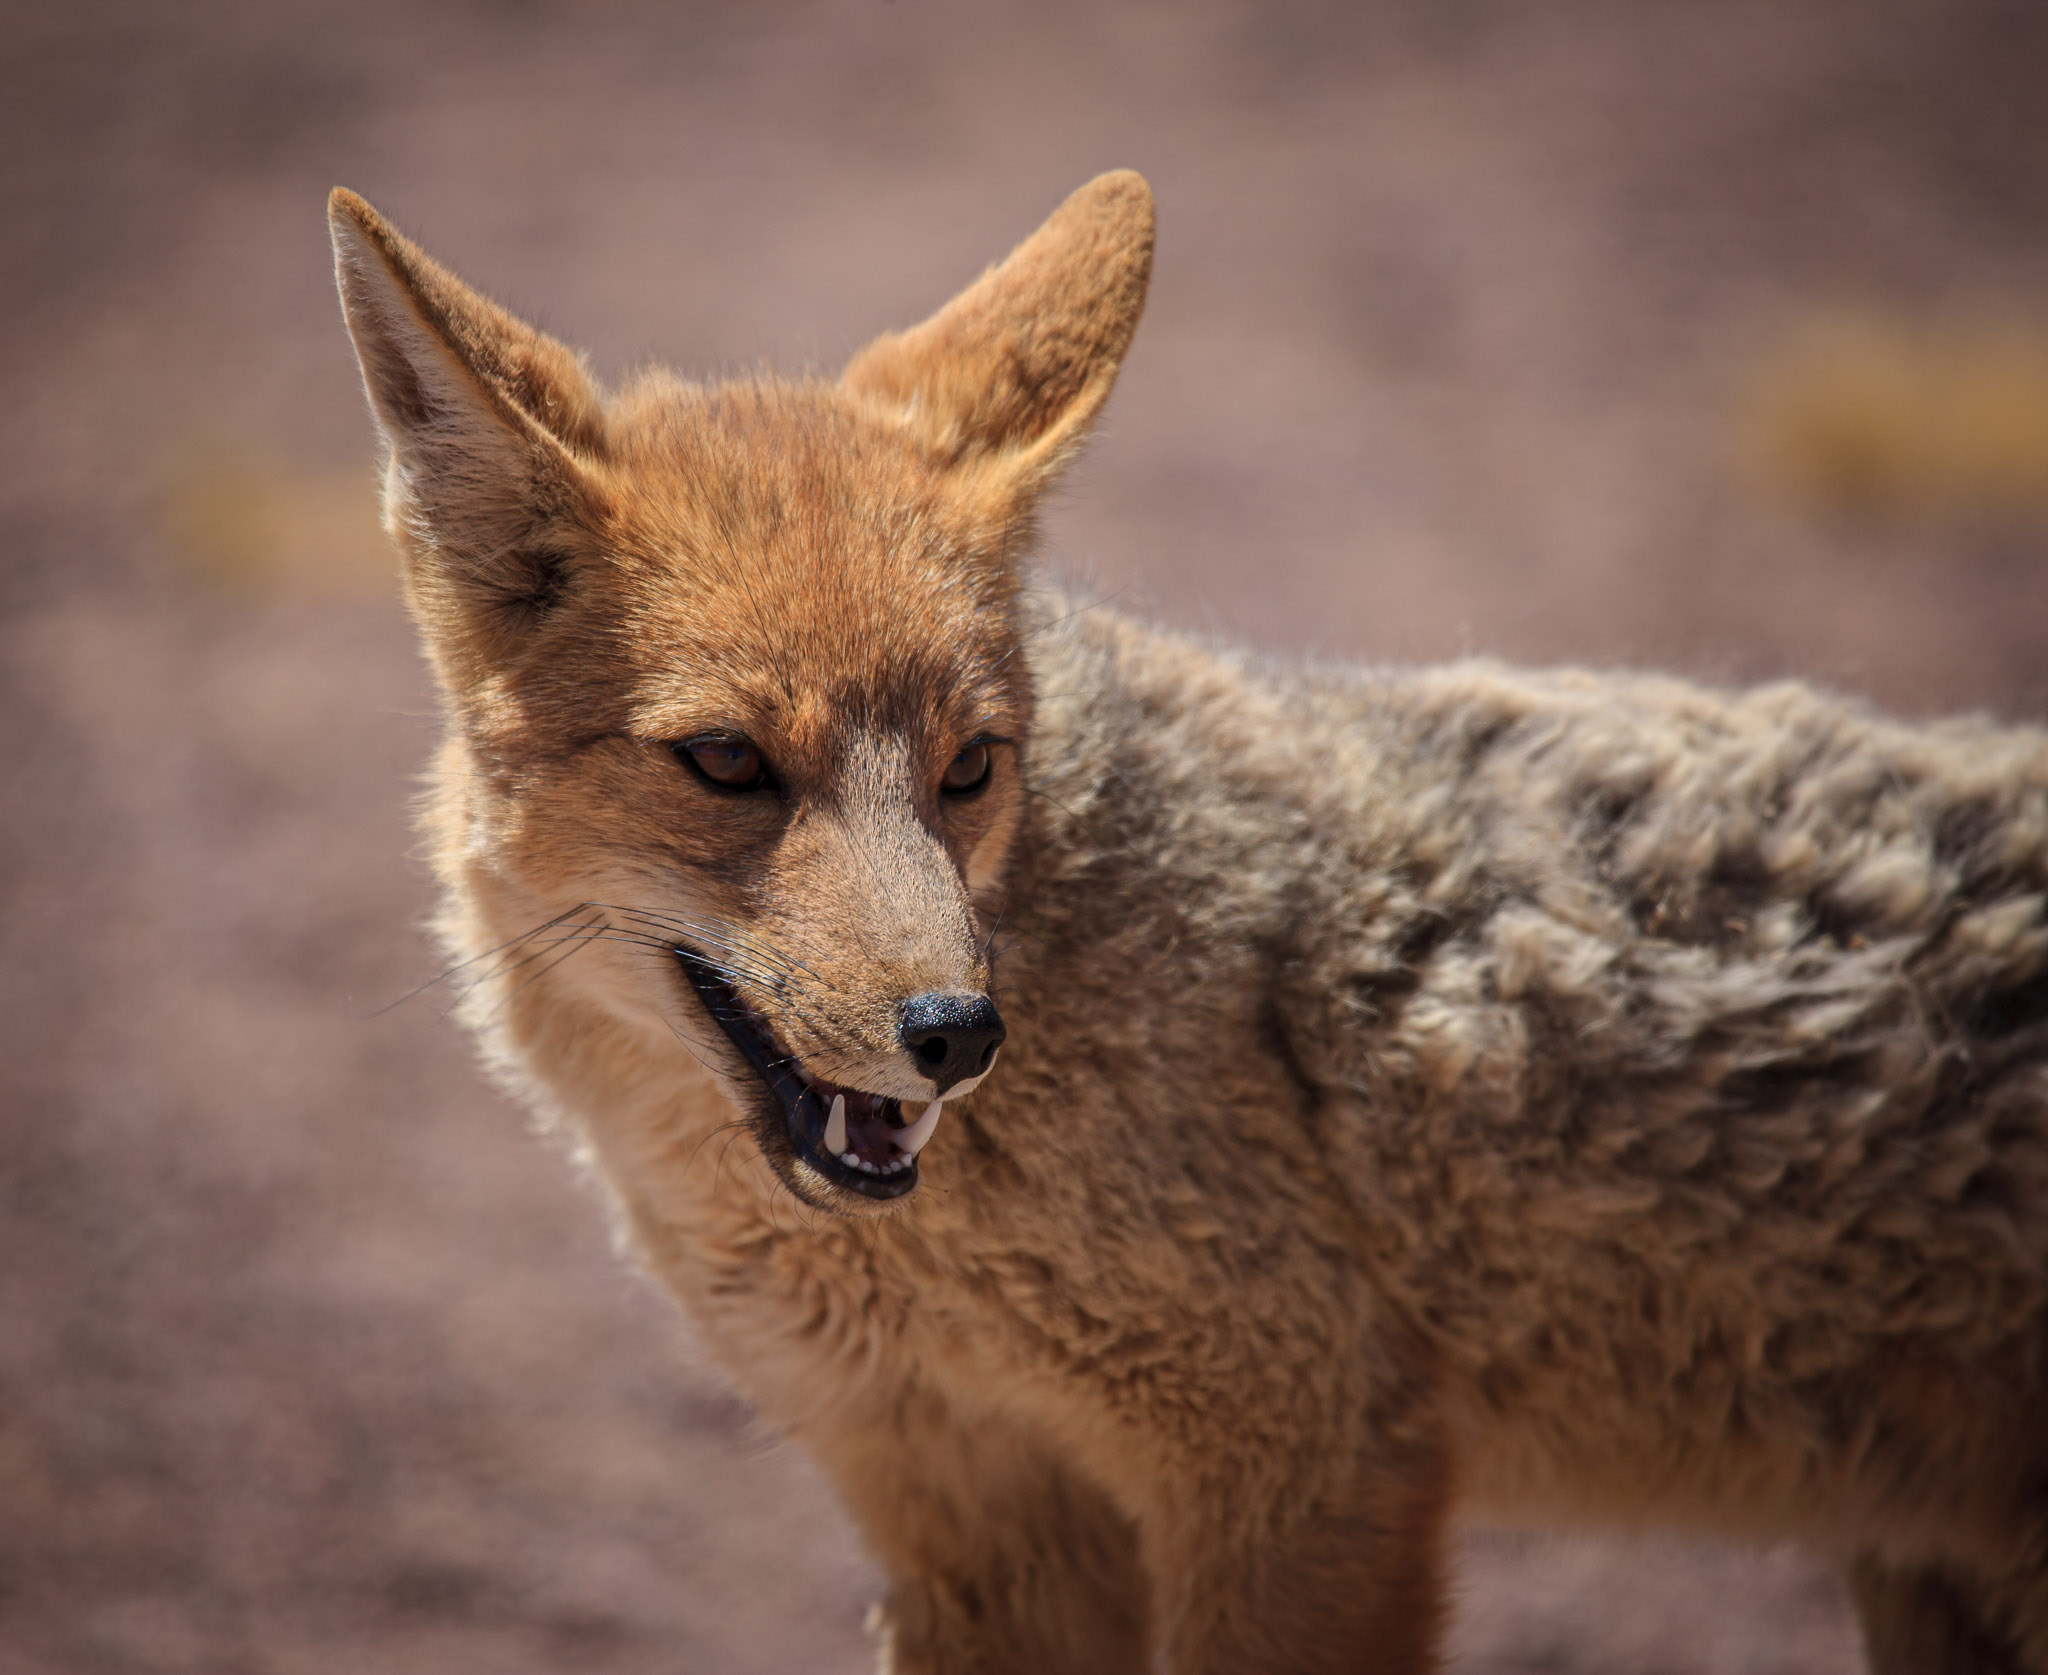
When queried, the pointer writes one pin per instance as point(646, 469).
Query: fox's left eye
point(968, 772)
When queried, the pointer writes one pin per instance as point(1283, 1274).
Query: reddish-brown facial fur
point(821, 578)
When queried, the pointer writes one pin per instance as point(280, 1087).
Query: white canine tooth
point(835, 1126)
point(911, 1141)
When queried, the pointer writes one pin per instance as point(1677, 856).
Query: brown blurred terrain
point(1701, 335)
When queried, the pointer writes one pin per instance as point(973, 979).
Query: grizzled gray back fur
point(1683, 1057)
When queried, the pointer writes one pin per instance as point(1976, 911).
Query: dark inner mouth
point(873, 1160)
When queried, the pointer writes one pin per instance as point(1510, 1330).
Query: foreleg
point(1349, 1581)
point(1001, 1559)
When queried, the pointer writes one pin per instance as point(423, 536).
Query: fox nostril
point(953, 1036)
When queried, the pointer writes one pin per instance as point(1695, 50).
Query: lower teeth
point(853, 1160)
point(846, 1156)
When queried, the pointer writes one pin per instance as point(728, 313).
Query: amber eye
point(968, 772)
point(730, 763)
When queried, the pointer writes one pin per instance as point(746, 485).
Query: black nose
point(952, 1037)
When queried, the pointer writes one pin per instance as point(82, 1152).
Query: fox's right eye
point(731, 764)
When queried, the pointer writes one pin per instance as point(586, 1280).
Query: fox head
point(736, 711)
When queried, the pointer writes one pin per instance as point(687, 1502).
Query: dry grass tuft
point(241, 521)
point(1871, 416)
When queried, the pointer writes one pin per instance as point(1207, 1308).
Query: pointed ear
point(485, 418)
point(1008, 377)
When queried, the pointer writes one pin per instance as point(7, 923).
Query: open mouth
point(855, 1139)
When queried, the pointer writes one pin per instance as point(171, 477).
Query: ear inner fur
point(534, 382)
point(487, 420)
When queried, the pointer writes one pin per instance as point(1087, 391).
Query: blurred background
point(1711, 336)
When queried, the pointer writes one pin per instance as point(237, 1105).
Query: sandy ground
point(311, 1358)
